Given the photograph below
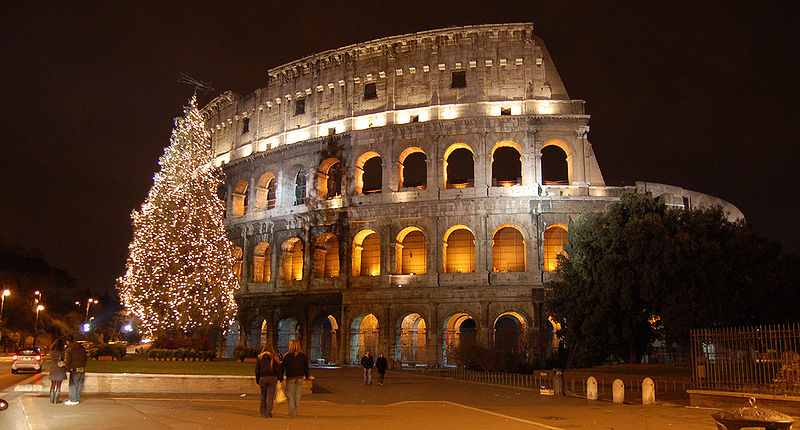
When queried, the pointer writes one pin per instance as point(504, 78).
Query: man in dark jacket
point(367, 362)
point(76, 363)
point(268, 372)
point(381, 364)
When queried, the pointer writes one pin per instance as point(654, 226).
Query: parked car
point(27, 359)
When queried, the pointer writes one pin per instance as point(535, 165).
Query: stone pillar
point(648, 391)
point(618, 391)
point(591, 388)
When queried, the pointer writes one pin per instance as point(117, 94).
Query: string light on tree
point(179, 273)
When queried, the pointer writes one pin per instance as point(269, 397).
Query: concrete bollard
point(648, 391)
point(618, 391)
point(591, 388)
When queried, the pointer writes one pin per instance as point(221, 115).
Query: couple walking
point(67, 356)
point(367, 362)
point(270, 370)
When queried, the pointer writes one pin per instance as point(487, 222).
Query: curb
point(30, 384)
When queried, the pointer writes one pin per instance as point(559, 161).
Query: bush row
point(241, 353)
point(116, 351)
point(180, 354)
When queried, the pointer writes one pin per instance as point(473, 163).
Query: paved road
point(406, 401)
point(6, 378)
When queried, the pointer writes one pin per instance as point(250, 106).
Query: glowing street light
point(6, 293)
point(89, 304)
point(36, 323)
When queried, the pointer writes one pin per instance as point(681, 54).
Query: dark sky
point(700, 94)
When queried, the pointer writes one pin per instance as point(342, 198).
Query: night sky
point(701, 94)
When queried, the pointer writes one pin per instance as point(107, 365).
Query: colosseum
point(409, 195)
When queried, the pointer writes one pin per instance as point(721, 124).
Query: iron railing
point(760, 359)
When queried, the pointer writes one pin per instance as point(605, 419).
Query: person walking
point(76, 363)
point(268, 373)
point(295, 369)
point(367, 362)
point(381, 364)
point(58, 370)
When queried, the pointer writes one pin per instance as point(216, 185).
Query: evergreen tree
point(179, 275)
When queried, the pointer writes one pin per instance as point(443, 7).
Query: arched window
point(238, 256)
point(300, 188)
point(555, 239)
point(265, 191)
point(329, 182)
point(292, 259)
point(459, 250)
point(411, 340)
point(369, 173)
point(411, 252)
point(413, 168)
point(459, 166)
point(508, 251)
point(366, 253)
point(506, 166)
point(240, 198)
point(555, 169)
point(326, 256)
point(262, 266)
point(364, 335)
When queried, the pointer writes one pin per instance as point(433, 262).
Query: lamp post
point(36, 323)
point(5, 294)
point(89, 304)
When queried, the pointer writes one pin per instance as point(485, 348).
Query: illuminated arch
point(411, 341)
point(292, 259)
point(555, 239)
point(366, 253)
point(300, 187)
point(364, 335)
point(238, 258)
point(240, 198)
point(266, 190)
point(288, 330)
point(413, 168)
point(510, 330)
point(460, 331)
point(449, 179)
point(509, 253)
point(411, 251)
point(329, 178)
point(552, 166)
point(324, 339)
point(326, 256)
point(361, 165)
point(262, 264)
point(264, 339)
point(458, 249)
point(508, 172)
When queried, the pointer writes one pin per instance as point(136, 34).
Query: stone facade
point(482, 89)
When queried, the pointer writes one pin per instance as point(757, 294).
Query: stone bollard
point(591, 388)
point(618, 391)
point(648, 391)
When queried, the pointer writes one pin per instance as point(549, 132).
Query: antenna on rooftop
point(199, 86)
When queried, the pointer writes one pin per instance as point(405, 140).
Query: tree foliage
point(641, 271)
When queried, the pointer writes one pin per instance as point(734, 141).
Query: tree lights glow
point(179, 275)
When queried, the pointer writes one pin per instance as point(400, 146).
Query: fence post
point(618, 391)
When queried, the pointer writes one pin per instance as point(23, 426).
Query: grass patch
point(135, 365)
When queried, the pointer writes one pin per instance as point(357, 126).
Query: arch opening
point(411, 252)
point(509, 333)
point(324, 340)
point(288, 329)
point(506, 166)
point(238, 257)
point(459, 167)
point(460, 334)
point(264, 338)
point(366, 253)
point(329, 180)
point(413, 169)
point(364, 335)
point(411, 343)
point(555, 240)
point(508, 250)
point(326, 256)
point(262, 264)
point(300, 188)
point(240, 198)
point(292, 259)
point(555, 166)
point(369, 173)
point(458, 249)
point(265, 191)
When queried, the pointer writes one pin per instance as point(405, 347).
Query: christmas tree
point(179, 276)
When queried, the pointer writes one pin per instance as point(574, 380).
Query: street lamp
point(36, 323)
point(6, 293)
point(89, 304)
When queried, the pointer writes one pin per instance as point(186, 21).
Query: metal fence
point(762, 359)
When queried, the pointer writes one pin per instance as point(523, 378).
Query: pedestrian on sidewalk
point(268, 373)
point(381, 364)
point(58, 370)
point(76, 363)
point(367, 362)
point(295, 369)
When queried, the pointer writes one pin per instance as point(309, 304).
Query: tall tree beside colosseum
point(179, 276)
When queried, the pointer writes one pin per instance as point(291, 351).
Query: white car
point(29, 359)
